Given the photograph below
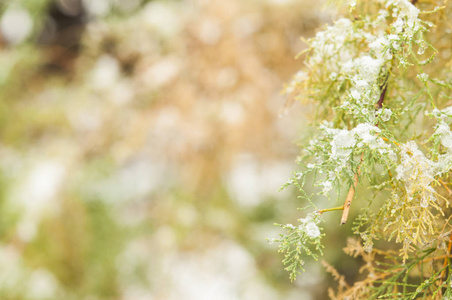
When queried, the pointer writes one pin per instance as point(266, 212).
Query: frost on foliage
point(359, 74)
point(344, 141)
point(423, 77)
point(410, 216)
point(443, 130)
point(299, 241)
point(443, 136)
point(417, 173)
point(309, 226)
point(385, 114)
point(358, 53)
point(407, 22)
point(327, 186)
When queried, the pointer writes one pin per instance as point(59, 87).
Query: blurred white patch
point(274, 175)
point(16, 24)
point(27, 229)
point(106, 72)
point(86, 118)
point(227, 77)
point(166, 238)
point(226, 271)
point(162, 17)
point(14, 275)
point(162, 72)
point(132, 182)
point(41, 285)
point(210, 32)
point(250, 182)
point(221, 219)
point(243, 182)
point(122, 93)
point(36, 195)
point(167, 119)
point(315, 277)
point(247, 25)
point(10, 267)
point(232, 113)
point(97, 7)
point(187, 215)
point(41, 185)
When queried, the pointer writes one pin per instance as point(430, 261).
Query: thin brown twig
point(351, 191)
point(350, 195)
point(443, 272)
point(348, 200)
point(445, 186)
point(383, 93)
point(446, 258)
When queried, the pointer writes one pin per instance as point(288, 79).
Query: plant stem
point(449, 247)
point(445, 186)
point(321, 211)
point(349, 199)
point(351, 191)
point(383, 93)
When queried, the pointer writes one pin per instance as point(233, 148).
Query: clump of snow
point(369, 67)
point(423, 77)
point(312, 230)
point(385, 114)
point(444, 132)
point(309, 226)
point(417, 172)
point(366, 132)
point(343, 141)
point(342, 144)
point(327, 186)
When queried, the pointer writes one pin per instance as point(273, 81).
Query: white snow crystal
point(312, 230)
point(355, 94)
point(416, 171)
point(423, 77)
point(327, 186)
point(424, 203)
point(366, 132)
point(386, 114)
point(369, 67)
point(446, 135)
point(342, 143)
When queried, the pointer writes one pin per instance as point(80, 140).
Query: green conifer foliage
point(380, 79)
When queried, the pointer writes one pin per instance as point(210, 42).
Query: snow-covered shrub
point(380, 79)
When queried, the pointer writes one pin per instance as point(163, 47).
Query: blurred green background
point(142, 152)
